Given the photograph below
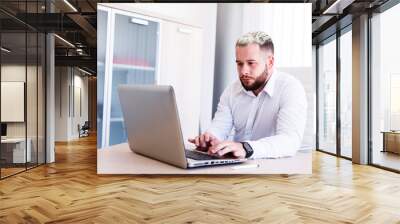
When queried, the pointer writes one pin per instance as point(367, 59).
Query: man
point(267, 109)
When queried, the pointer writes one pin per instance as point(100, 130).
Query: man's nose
point(244, 70)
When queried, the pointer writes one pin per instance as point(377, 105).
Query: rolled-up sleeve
point(290, 127)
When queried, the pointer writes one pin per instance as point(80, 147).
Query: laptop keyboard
point(199, 156)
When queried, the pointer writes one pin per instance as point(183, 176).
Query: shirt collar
point(268, 88)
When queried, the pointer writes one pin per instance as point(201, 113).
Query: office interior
point(59, 77)
point(48, 81)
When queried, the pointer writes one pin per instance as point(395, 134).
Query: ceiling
point(76, 22)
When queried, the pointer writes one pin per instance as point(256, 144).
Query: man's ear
point(270, 61)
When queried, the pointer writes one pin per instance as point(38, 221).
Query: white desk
point(119, 159)
point(18, 150)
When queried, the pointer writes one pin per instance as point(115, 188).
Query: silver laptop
point(153, 127)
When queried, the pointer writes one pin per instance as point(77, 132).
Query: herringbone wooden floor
point(70, 191)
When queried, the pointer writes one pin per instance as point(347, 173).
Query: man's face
point(253, 65)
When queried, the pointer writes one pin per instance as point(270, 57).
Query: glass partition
point(385, 89)
point(132, 59)
point(31, 99)
point(13, 109)
point(346, 93)
point(327, 96)
point(22, 77)
point(133, 63)
point(102, 18)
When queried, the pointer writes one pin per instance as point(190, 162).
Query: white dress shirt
point(272, 123)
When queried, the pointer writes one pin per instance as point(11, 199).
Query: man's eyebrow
point(250, 60)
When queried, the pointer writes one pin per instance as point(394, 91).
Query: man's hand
point(235, 148)
point(204, 141)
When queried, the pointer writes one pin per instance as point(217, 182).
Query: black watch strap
point(248, 149)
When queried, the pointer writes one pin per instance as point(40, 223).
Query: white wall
point(61, 104)
point(201, 15)
point(33, 127)
point(82, 83)
point(14, 73)
point(289, 26)
point(66, 121)
point(17, 73)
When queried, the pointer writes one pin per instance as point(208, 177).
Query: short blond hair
point(261, 38)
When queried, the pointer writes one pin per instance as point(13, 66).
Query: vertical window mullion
point(37, 89)
point(26, 86)
point(317, 94)
point(369, 96)
point(338, 92)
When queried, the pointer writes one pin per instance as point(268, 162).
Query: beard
point(258, 83)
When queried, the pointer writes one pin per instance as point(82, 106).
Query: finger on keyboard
point(202, 149)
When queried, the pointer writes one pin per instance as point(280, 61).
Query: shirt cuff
point(259, 150)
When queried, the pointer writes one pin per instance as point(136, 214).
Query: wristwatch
point(248, 149)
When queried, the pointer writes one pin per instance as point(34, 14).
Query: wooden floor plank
point(70, 191)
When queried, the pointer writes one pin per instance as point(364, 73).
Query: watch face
point(248, 149)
